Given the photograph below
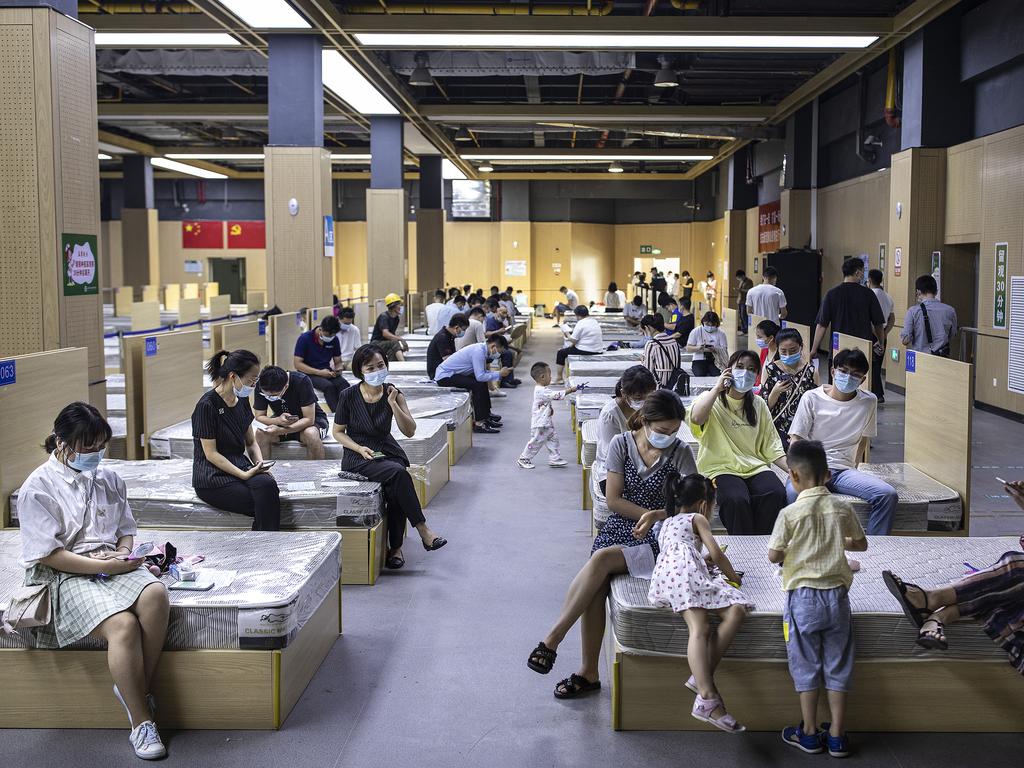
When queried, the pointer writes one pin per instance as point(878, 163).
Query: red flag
point(247, 234)
point(202, 234)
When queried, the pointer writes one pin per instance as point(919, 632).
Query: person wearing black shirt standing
point(442, 346)
point(659, 285)
point(362, 425)
point(228, 471)
point(294, 412)
point(850, 308)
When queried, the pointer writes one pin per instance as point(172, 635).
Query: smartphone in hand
point(267, 464)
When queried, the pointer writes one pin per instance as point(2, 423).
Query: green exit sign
point(646, 249)
point(656, 251)
point(894, 354)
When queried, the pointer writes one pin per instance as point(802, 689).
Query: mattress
point(431, 437)
point(599, 366)
point(409, 366)
point(924, 502)
point(279, 582)
point(414, 385)
point(605, 385)
point(589, 405)
point(452, 406)
point(589, 432)
point(313, 496)
point(880, 629)
point(634, 355)
point(115, 404)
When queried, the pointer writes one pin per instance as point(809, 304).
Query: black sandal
point(898, 588)
point(575, 686)
point(933, 639)
point(394, 563)
point(437, 543)
point(542, 659)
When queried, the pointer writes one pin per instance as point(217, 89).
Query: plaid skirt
point(80, 603)
point(995, 596)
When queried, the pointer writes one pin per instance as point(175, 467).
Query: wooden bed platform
point(362, 553)
point(901, 695)
point(460, 440)
point(437, 475)
point(204, 689)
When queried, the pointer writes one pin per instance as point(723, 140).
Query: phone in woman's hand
point(265, 465)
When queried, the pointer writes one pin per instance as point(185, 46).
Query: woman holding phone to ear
point(228, 471)
point(362, 425)
point(77, 535)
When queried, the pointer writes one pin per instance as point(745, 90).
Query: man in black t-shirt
point(385, 330)
point(294, 411)
point(442, 346)
point(851, 308)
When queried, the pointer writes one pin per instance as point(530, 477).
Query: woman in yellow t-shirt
point(738, 445)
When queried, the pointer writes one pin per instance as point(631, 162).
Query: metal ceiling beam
point(153, 22)
point(494, 153)
point(176, 112)
point(607, 113)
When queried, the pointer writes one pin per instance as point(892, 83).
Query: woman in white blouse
point(707, 342)
point(614, 299)
point(77, 534)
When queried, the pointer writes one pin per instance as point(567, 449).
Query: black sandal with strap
point(575, 686)
point(542, 659)
point(436, 544)
point(933, 639)
point(898, 588)
point(394, 563)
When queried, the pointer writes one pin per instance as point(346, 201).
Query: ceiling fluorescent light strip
point(266, 14)
point(164, 40)
point(612, 42)
point(191, 170)
point(214, 155)
point(350, 86)
point(589, 157)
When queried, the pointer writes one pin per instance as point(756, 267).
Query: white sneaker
point(499, 393)
point(558, 463)
point(525, 464)
point(146, 742)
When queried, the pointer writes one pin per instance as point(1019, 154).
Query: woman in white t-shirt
point(711, 291)
point(614, 299)
point(707, 342)
point(586, 339)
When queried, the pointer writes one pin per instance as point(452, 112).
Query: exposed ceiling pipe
point(152, 7)
point(526, 9)
point(865, 150)
point(892, 115)
point(621, 88)
point(686, 5)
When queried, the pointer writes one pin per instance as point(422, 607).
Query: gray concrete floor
point(431, 670)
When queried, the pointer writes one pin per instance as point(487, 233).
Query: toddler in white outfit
point(542, 425)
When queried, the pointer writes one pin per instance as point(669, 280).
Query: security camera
point(872, 141)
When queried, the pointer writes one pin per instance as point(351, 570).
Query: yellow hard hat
point(391, 298)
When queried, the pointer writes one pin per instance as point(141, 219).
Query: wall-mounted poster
point(769, 226)
point(80, 273)
point(516, 268)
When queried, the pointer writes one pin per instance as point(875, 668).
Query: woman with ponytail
point(738, 445)
point(228, 470)
point(683, 582)
point(638, 464)
point(77, 536)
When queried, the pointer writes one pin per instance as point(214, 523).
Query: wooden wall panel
point(795, 210)
point(734, 228)
point(515, 243)
point(593, 256)
point(750, 245)
point(552, 244)
point(471, 253)
point(349, 252)
point(964, 189)
point(386, 243)
point(853, 218)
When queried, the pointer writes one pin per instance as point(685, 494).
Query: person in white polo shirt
point(586, 339)
point(767, 300)
point(433, 311)
point(571, 300)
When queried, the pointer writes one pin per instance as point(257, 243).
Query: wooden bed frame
point(460, 440)
point(362, 553)
point(899, 695)
point(438, 475)
point(204, 689)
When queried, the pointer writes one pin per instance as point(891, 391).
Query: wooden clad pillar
point(49, 188)
point(386, 242)
point(795, 211)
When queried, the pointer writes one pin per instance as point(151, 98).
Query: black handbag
point(678, 379)
point(942, 351)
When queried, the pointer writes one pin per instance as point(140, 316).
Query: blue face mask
point(743, 380)
point(87, 462)
point(376, 378)
point(761, 343)
point(845, 383)
point(245, 391)
point(270, 398)
point(710, 328)
point(460, 334)
point(659, 439)
point(791, 360)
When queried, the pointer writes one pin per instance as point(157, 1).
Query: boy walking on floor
point(542, 425)
point(810, 539)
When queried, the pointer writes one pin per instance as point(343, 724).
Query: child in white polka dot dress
point(683, 581)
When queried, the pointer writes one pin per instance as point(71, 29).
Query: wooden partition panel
point(145, 315)
point(752, 333)
point(209, 291)
point(314, 315)
point(190, 291)
point(804, 330)
point(188, 311)
point(256, 300)
point(172, 297)
point(124, 297)
point(40, 385)
point(730, 323)
point(220, 306)
point(285, 331)
point(939, 422)
point(362, 320)
point(247, 334)
point(151, 293)
point(842, 341)
point(162, 383)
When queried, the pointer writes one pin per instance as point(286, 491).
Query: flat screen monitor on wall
point(471, 199)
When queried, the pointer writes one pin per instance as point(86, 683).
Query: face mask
point(326, 339)
point(659, 440)
point(845, 383)
point(636, 405)
point(87, 462)
point(710, 328)
point(270, 398)
point(743, 380)
point(245, 391)
point(460, 334)
point(377, 378)
point(791, 359)
point(762, 343)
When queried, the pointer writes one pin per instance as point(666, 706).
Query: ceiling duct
point(193, 62)
point(511, 63)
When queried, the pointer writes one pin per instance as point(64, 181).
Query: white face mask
point(636, 405)
point(376, 378)
point(743, 380)
point(270, 398)
point(658, 439)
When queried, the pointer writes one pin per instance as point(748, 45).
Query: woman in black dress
point(362, 424)
point(228, 471)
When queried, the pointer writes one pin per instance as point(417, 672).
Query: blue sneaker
point(808, 742)
point(838, 746)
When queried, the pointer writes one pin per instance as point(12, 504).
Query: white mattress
point(634, 355)
point(605, 385)
point(313, 496)
point(880, 629)
point(409, 366)
point(280, 581)
point(453, 407)
point(589, 432)
point(589, 405)
point(924, 502)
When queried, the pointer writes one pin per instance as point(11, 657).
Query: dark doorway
point(229, 274)
point(958, 286)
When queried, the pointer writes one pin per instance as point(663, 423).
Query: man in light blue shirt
point(468, 369)
point(448, 311)
point(931, 325)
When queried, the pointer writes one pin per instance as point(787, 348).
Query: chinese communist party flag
point(247, 234)
point(202, 234)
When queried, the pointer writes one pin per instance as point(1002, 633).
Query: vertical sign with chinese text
point(999, 296)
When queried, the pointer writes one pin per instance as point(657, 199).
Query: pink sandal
point(702, 709)
point(692, 684)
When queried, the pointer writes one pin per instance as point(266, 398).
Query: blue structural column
point(140, 238)
point(386, 211)
point(297, 179)
point(430, 226)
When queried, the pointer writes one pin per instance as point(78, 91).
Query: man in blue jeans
point(842, 417)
